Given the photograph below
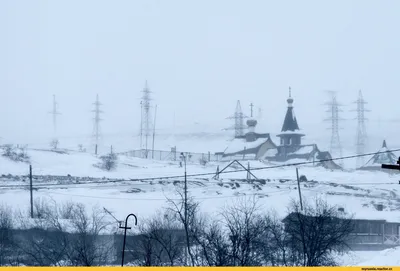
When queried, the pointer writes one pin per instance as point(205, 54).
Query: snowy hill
point(65, 176)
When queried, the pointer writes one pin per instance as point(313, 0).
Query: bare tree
point(316, 231)
point(109, 161)
point(215, 248)
point(88, 247)
point(162, 240)
point(43, 241)
point(6, 235)
point(65, 235)
point(54, 144)
point(16, 154)
point(245, 227)
point(189, 222)
point(275, 242)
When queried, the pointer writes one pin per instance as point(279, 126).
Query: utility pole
point(183, 157)
point(97, 119)
point(125, 227)
point(31, 188)
point(298, 186)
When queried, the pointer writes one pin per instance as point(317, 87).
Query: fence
point(172, 155)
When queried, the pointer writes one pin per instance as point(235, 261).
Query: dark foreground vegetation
point(243, 234)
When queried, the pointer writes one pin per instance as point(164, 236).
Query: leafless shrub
point(88, 247)
point(54, 144)
point(162, 240)
point(245, 228)
point(43, 240)
point(6, 235)
point(203, 161)
point(108, 162)
point(316, 231)
point(16, 154)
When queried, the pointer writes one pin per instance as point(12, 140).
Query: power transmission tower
point(55, 113)
point(239, 121)
point(97, 119)
point(333, 110)
point(361, 142)
point(145, 124)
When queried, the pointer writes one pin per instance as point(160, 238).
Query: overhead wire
point(165, 199)
point(166, 178)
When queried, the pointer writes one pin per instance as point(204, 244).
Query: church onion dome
point(251, 122)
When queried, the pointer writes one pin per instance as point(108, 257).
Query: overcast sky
point(199, 57)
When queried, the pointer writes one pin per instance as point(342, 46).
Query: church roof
point(290, 122)
point(383, 156)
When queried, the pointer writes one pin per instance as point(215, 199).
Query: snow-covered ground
point(136, 186)
point(388, 257)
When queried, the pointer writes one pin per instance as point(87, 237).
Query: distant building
point(261, 147)
point(366, 234)
point(290, 136)
point(383, 156)
point(252, 145)
point(291, 147)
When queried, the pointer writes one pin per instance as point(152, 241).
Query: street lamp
point(126, 228)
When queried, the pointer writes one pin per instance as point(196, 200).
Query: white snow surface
point(383, 156)
point(121, 193)
point(239, 144)
point(305, 150)
point(355, 191)
point(387, 257)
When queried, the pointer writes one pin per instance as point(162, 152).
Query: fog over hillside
point(86, 86)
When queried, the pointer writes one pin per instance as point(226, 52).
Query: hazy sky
point(199, 57)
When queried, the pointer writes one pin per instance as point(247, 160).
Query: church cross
point(251, 108)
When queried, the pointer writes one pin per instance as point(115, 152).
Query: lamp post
point(126, 228)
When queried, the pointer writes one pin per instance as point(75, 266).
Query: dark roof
point(290, 122)
point(383, 156)
point(257, 135)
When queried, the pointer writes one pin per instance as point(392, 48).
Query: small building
point(290, 136)
point(291, 147)
point(383, 156)
point(377, 233)
point(252, 145)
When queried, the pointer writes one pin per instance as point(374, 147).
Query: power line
point(165, 178)
point(165, 199)
point(161, 178)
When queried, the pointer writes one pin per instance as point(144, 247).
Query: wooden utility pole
point(298, 186)
point(31, 188)
point(95, 150)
